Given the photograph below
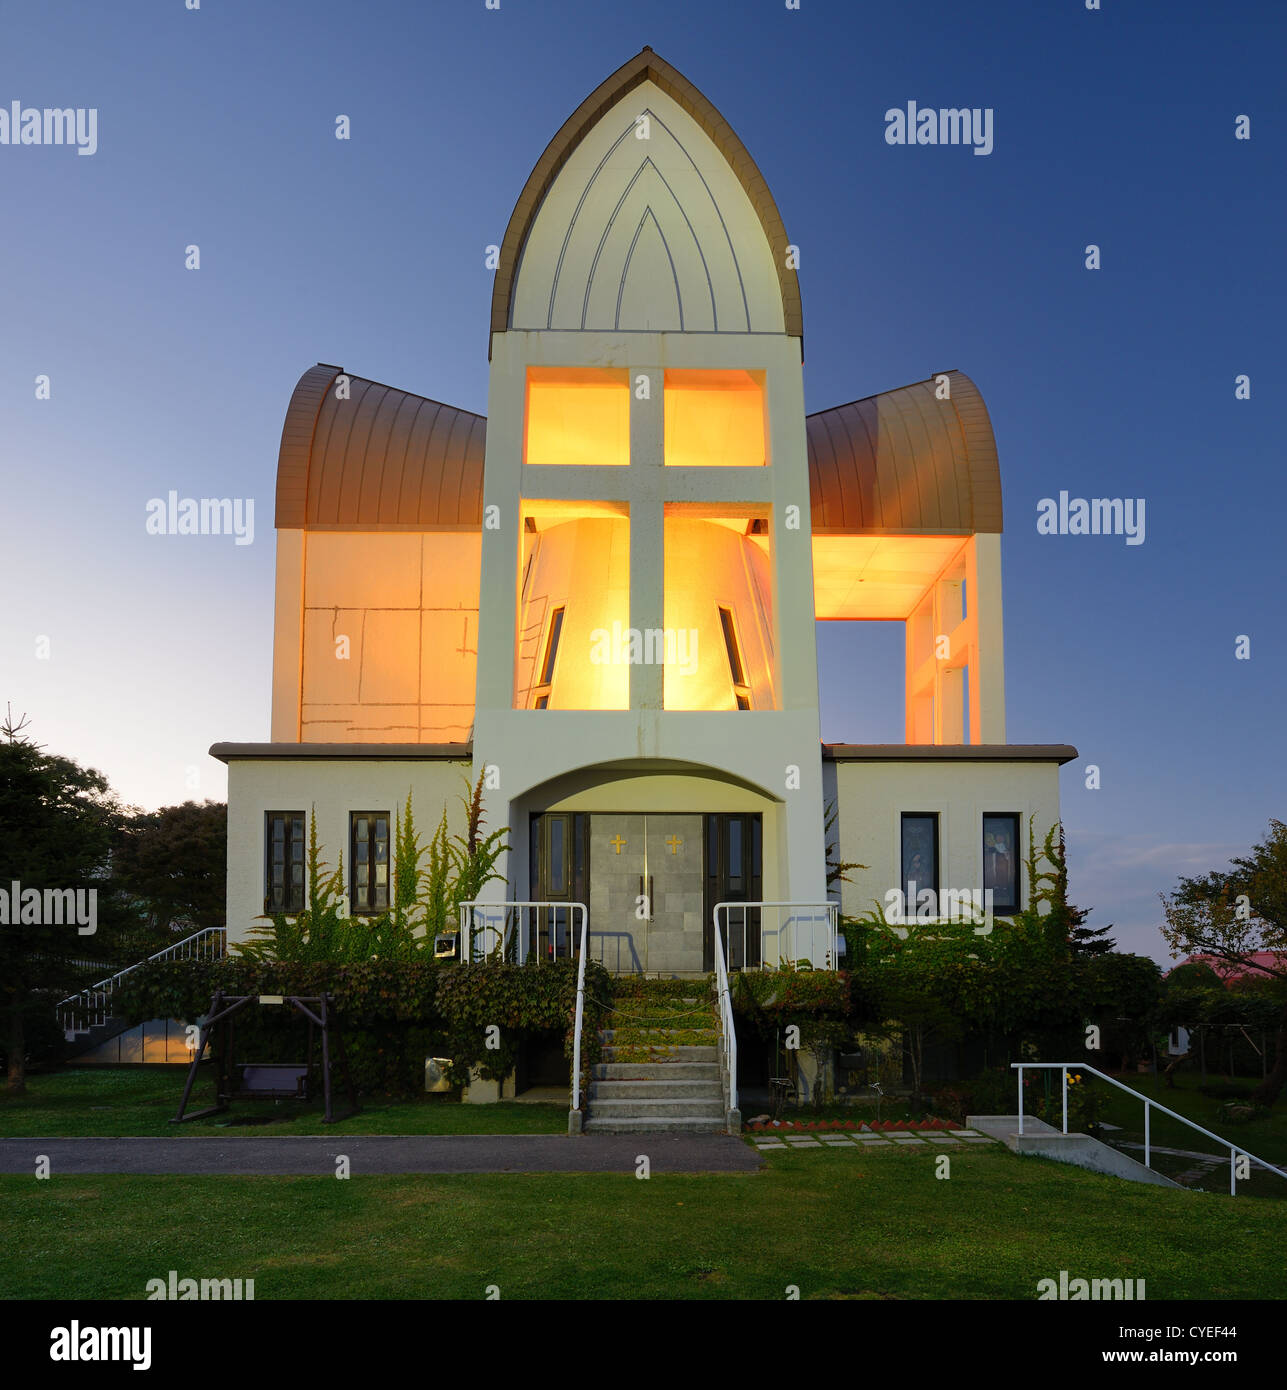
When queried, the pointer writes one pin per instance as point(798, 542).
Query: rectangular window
point(368, 862)
point(1001, 862)
point(542, 689)
point(284, 868)
point(919, 854)
point(741, 691)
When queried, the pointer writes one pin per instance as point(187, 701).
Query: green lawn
point(117, 1101)
point(837, 1224)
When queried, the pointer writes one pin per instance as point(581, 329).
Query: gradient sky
point(1117, 128)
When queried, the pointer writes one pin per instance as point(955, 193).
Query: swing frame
point(318, 1009)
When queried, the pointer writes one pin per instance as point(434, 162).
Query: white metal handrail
point(580, 1016)
point(525, 923)
point(782, 925)
point(727, 1029)
point(92, 1006)
point(1066, 1067)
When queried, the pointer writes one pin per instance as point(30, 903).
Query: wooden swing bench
point(268, 1080)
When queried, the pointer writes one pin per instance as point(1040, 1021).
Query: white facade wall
point(871, 797)
point(334, 787)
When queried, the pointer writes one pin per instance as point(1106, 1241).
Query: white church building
point(604, 595)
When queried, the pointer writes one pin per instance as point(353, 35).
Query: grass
point(85, 1101)
point(837, 1224)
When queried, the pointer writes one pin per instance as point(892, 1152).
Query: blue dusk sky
point(133, 653)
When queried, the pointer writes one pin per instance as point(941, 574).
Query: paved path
point(377, 1153)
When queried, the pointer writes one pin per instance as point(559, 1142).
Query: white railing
point(580, 1016)
point(539, 931)
point(769, 935)
point(727, 1029)
point(91, 1007)
point(1149, 1105)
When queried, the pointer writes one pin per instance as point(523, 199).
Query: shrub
point(392, 1014)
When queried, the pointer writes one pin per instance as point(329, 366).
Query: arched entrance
point(651, 851)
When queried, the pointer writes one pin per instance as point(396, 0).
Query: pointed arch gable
point(646, 66)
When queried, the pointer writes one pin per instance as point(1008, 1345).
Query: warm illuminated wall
point(577, 417)
point(947, 590)
point(388, 647)
point(583, 567)
point(714, 419)
point(709, 566)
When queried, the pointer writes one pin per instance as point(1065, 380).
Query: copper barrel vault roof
point(900, 462)
point(381, 458)
point(645, 66)
point(906, 461)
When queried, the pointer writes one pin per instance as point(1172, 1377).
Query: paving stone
point(979, 1139)
point(961, 1133)
point(764, 1148)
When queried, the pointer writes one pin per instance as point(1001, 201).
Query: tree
point(1234, 915)
point(57, 820)
point(1088, 941)
point(170, 865)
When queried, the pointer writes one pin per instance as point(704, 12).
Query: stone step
point(659, 1035)
point(656, 1089)
point(656, 1071)
point(679, 1053)
point(704, 1107)
point(655, 1124)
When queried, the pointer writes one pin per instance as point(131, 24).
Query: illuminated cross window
point(661, 459)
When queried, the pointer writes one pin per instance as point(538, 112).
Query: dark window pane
point(730, 642)
point(920, 856)
point(558, 856)
point(552, 648)
point(1001, 861)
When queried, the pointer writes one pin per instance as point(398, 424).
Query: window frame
point(290, 818)
point(1003, 909)
point(544, 686)
point(736, 659)
point(372, 839)
point(909, 906)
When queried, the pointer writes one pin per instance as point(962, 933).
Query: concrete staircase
point(660, 1072)
point(83, 1040)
